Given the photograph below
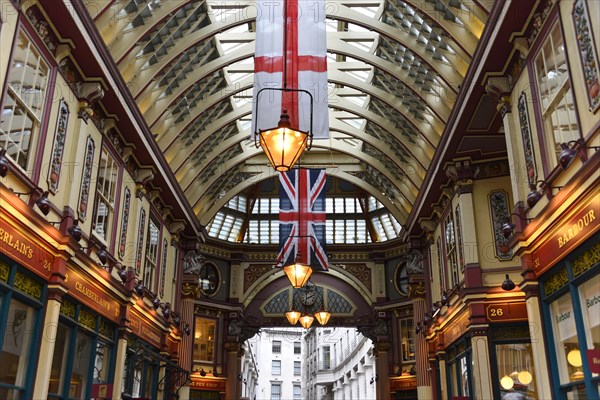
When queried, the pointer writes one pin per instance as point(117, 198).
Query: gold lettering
point(92, 296)
point(575, 228)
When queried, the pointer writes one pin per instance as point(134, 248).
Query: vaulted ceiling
point(395, 69)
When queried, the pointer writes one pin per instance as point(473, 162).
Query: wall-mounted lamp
point(508, 284)
point(508, 227)
point(202, 372)
point(187, 330)
point(128, 276)
point(215, 373)
point(374, 379)
point(102, 255)
point(41, 199)
point(74, 230)
point(535, 195)
point(444, 300)
point(569, 152)
point(4, 163)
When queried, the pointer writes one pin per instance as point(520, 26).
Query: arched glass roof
point(394, 70)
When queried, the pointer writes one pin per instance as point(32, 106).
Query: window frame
point(33, 164)
point(110, 234)
point(548, 145)
point(276, 367)
point(210, 343)
point(150, 278)
point(75, 328)
point(276, 346)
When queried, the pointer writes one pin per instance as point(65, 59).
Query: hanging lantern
point(306, 321)
point(293, 316)
point(283, 145)
point(298, 274)
point(323, 316)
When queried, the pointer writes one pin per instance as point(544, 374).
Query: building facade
point(278, 354)
point(138, 227)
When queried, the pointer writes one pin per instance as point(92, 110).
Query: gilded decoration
point(587, 260)
point(587, 53)
point(124, 223)
point(28, 285)
point(68, 308)
point(58, 146)
point(510, 333)
point(87, 319)
point(254, 272)
point(557, 281)
point(382, 347)
point(361, 272)
point(189, 290)
point(416, 290)
point(527, 140)
point(140, 244)
point(215, 251)
point(459, 236)
point(39, 23)
point(500, 214)
point(233, 347)
point(163, 269)
point(86, 179)
point(4, 271)
point(538, 21)
point(106, 329)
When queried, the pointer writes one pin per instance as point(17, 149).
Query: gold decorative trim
point(28, 285)
point(4, 272)
point(557, 281)
point(87, 319)
point(68, 308)
point(587, 260)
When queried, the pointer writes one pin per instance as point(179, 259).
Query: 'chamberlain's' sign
point(22, 249)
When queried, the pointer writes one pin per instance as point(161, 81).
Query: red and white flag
point(306, 69)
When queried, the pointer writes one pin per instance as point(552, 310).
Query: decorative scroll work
point(461, 257)
point(163, 269)
point(124, 223)
point(58, 146)
point(500, 214)
point(140, 244)
point(86, 179)
point(587, 53)
point(527, 140)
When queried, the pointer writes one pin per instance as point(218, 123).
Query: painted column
point(233, 388)
point(417, 293)
point(541, 377)
point(382, 370)
point(481, 383)
point(120, 362)
point(44, 366)
point(189, 292)
point(441, 355)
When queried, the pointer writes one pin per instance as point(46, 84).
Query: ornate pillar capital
point(416, 290)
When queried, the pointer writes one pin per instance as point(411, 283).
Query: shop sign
point(403, 384)
point(568, 236)
point(208, 384)
point(22, 249)
point(141, 327)
point(505, 312)
point(593, 356)
point(84, 290)
point(102, 390)
point(456, 329)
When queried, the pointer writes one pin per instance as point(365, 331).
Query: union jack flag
point(302, 218)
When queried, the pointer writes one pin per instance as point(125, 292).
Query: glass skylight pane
point(339, 231)
point(275, 205)
point(350, 205)
point(253, 231)
point(329, 205)
point(275, 231)
point(329, 231)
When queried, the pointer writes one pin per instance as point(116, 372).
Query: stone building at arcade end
point(139, 221)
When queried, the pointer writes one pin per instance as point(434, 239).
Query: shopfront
point(22, 296)
point(571, 309)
